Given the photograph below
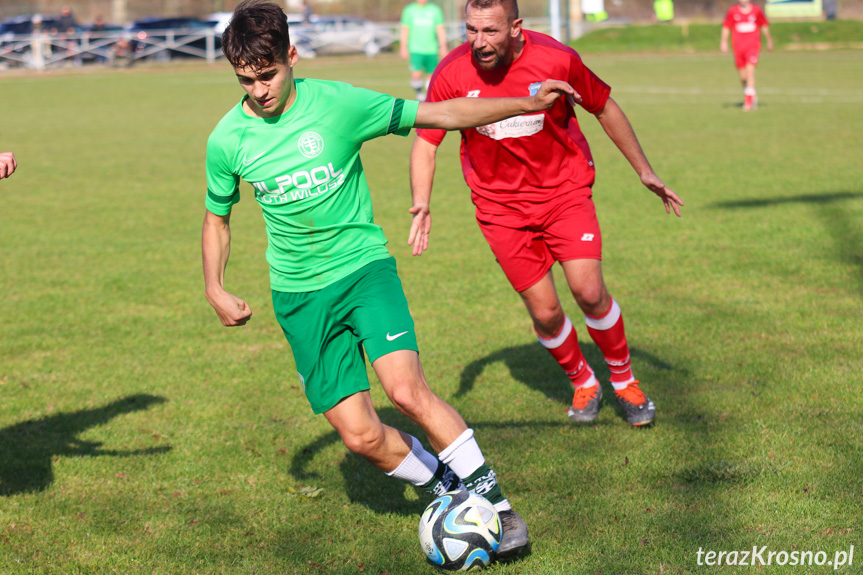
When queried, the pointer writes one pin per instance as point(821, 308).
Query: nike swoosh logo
point(247, 162)
point(396, 336)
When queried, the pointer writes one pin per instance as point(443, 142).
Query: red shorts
point(746, 56)
point(566, 230)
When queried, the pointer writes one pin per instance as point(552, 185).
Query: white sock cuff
point(466, 435)
point(417, 84)
point(557, 341)
point(463, 455)
point(749, 91)
point(605, 322)
point(418, 466)
point(621, 385)
point(589, 383)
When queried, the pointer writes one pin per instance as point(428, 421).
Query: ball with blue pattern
point(460, 531)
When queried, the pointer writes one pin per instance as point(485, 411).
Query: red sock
point(608, 334)
point(564, 348)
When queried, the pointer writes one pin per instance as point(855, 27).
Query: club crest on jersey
point(310, 144)
point(534, 88)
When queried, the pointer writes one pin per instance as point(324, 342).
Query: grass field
point(139, 436)
point(693, 37)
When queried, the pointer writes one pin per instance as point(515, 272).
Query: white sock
point(619, 386)
point(463, 455)
point(589, 383)
point(418, 467)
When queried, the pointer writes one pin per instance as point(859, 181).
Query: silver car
point(339, 34)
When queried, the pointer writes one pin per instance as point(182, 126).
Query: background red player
point(744, 22)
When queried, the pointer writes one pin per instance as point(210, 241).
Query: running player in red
point(531, 179)
point(745, 22)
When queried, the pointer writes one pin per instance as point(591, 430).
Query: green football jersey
point(307, 176)
point(422, 23)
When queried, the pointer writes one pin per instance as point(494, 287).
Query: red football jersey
point(530, 159)
point(745, 27)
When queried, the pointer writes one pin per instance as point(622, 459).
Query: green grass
point(704, 37)
point(139, 436)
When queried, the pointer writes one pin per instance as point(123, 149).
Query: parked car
point(21, 25)
point(341, 34)
point(165, 38)
point(16, 37)
point(220, 20)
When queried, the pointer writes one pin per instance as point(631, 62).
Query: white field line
point(803, 95)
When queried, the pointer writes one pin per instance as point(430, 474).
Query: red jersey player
point(531, 179)
point(744, 22)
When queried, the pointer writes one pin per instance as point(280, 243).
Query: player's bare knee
point(593, 300)
point(547, 318)
point(364, 444)
point(411, 397)
point(548, 324)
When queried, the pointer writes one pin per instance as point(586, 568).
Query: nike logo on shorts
point(396, 336)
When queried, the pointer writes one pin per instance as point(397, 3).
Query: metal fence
point(41, 50)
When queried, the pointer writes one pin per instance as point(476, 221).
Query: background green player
point(423, 42)
point(336, 293)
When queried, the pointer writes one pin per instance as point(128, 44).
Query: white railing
point(41, 50)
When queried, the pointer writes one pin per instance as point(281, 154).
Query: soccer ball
point(459, 531)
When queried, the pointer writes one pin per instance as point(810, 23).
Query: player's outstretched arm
point(423, 156)
point(723, 42)
point(768, 38)
point(215, 249)
point(403, 42)
point(618, 128)
point(463, 113)
point(7, 164)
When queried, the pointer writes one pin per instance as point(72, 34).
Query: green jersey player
point(423, 41)
point(336, 293)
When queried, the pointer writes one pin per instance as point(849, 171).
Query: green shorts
point(328, 330)
point(423, 62)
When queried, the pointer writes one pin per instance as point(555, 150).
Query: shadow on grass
point(825, 198)
point(369, 486)
point(28, 448)
point(680, 493)
point(703, 471)
point(534, 367)
point(706, 471)
point(838, 222)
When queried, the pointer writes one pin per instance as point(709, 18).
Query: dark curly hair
point(257, 36)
